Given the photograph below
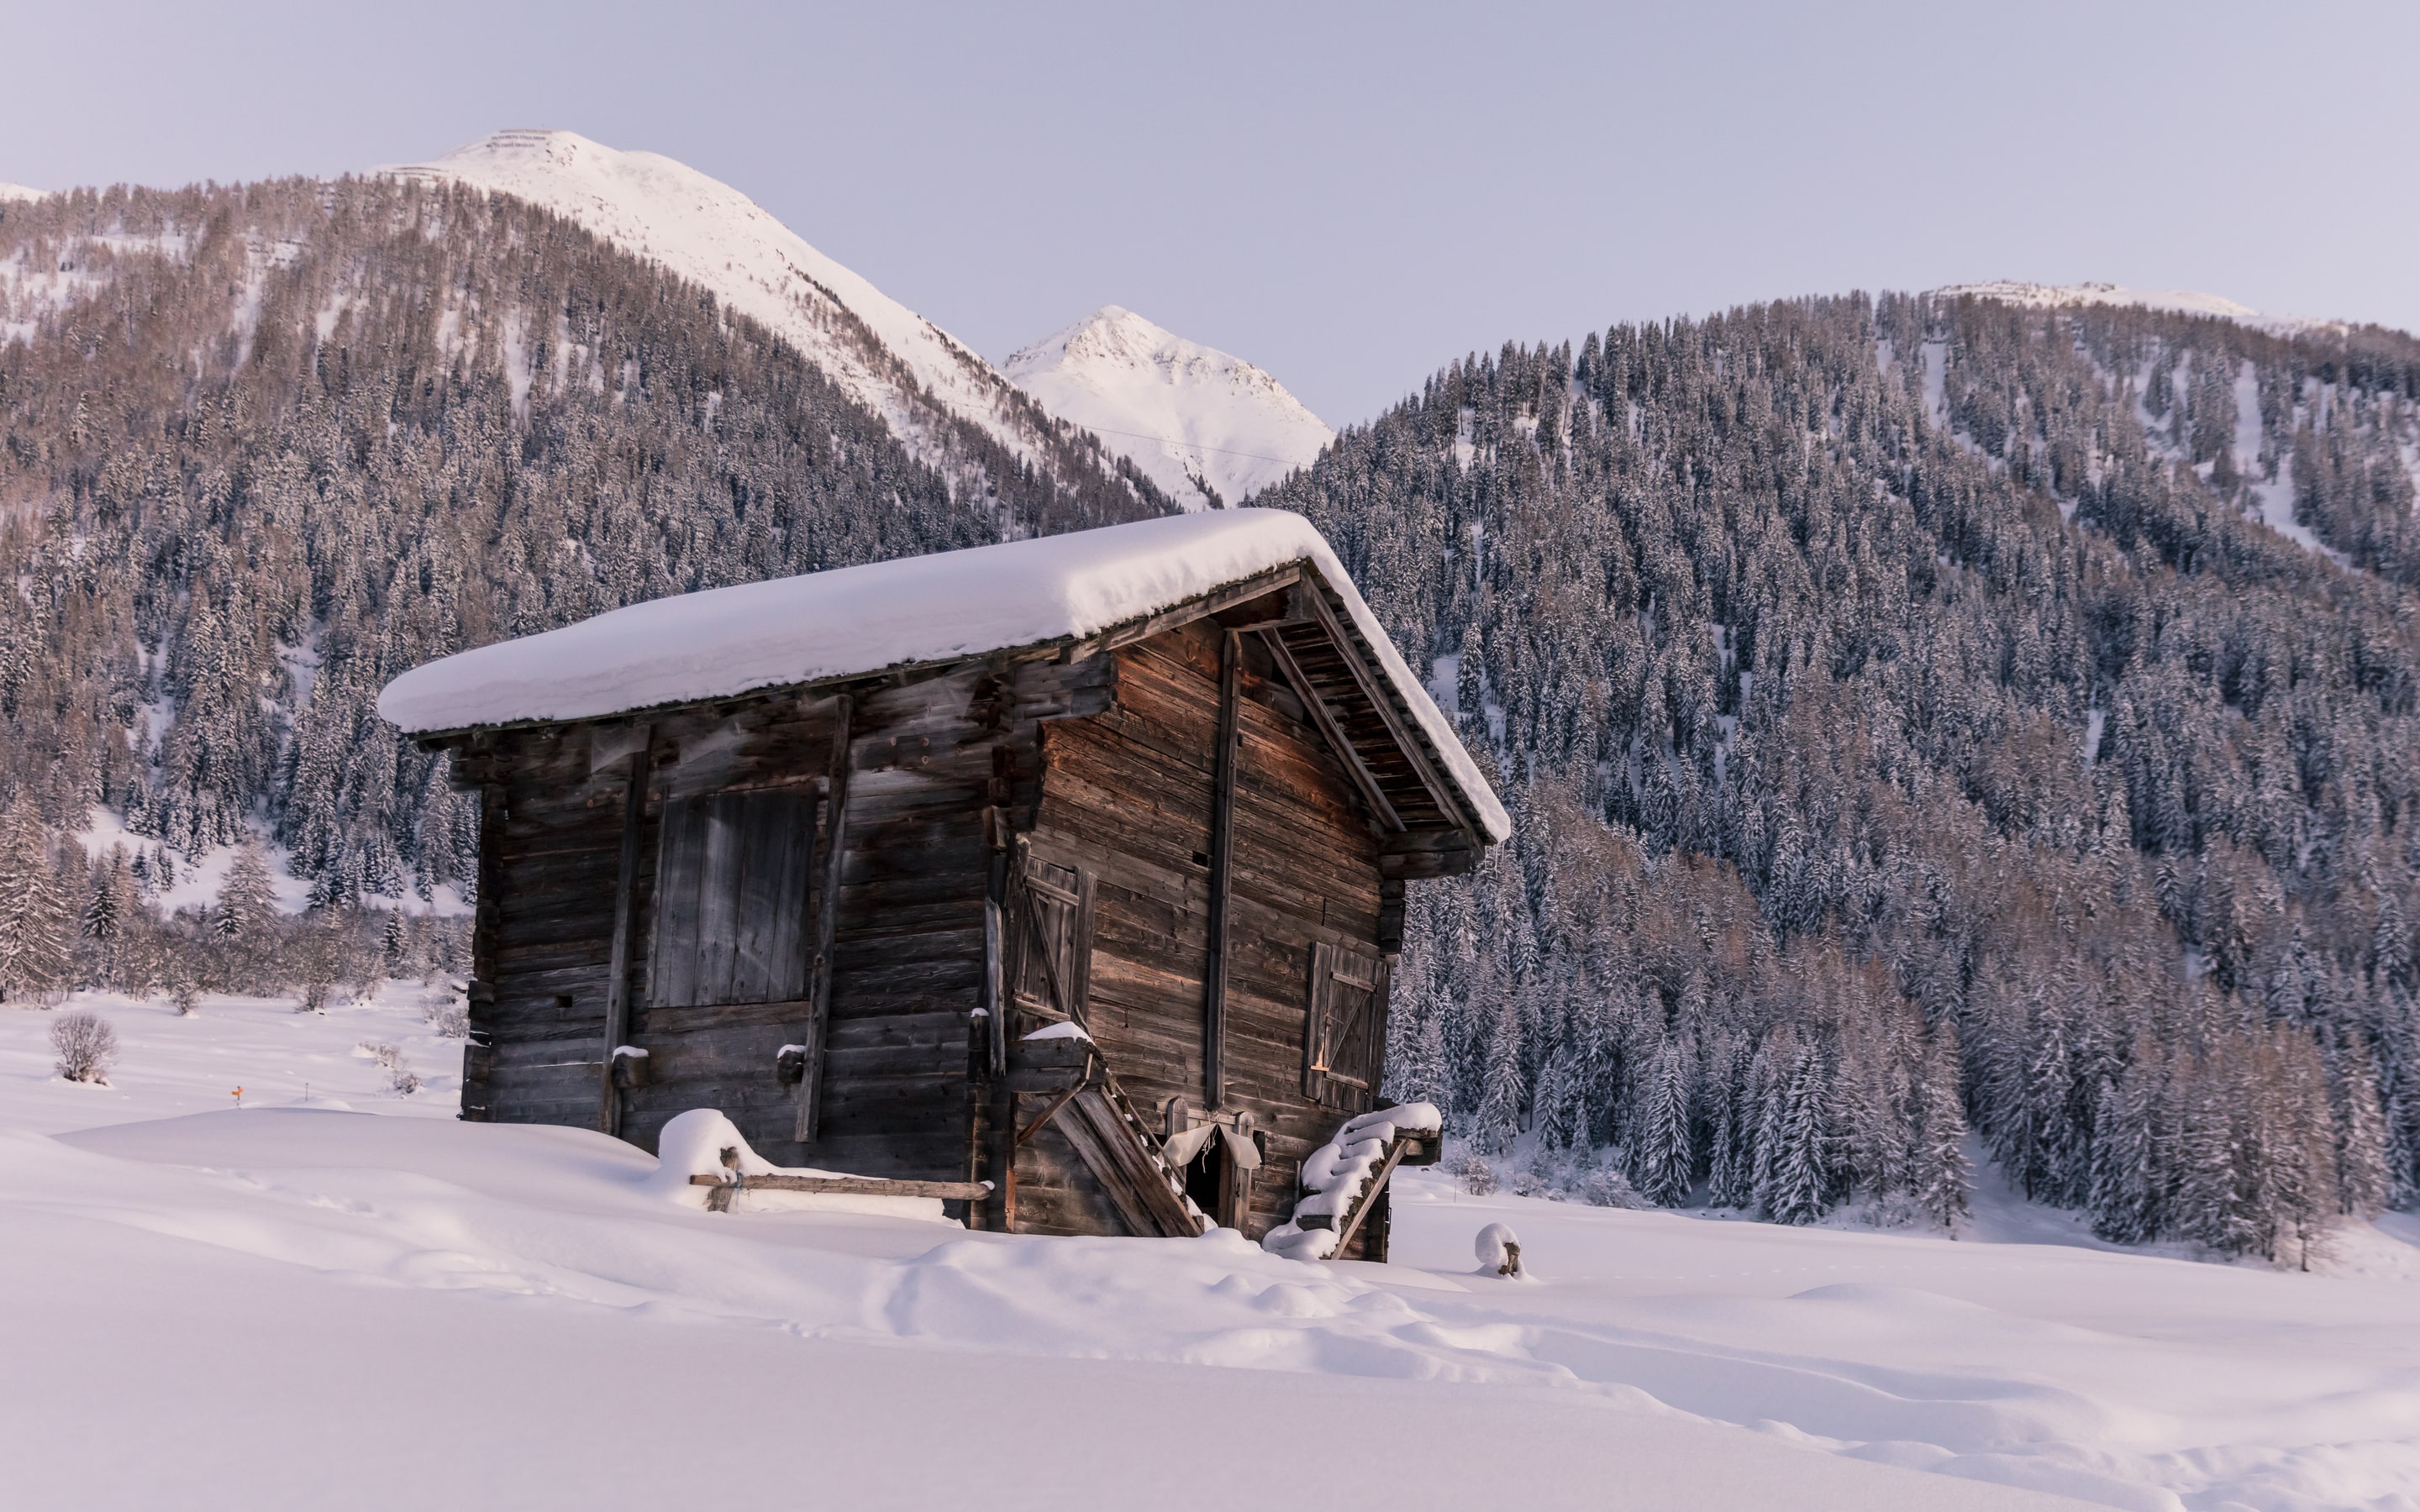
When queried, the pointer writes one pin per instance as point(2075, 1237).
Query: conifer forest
point(1923, 717)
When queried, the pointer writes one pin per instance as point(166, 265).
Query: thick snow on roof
point(912, 612)
point(1180, 409)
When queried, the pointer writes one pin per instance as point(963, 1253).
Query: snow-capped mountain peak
point(2182, 300)
point(1189, 415)
point(709, 233)
point(9, 191)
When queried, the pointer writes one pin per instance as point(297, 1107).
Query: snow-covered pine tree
point(1661, 1162)
point(1796, 1194)
point(1498, 1119)
point(2206, 1206)
point(1939, 1170)
point(1729, 1174)
point(247, 900)
point(394, 945)
point(2363, 1185)
point(34, 922)
point(2124, 1193)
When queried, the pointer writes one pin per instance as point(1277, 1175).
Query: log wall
point(1128, 795)
point(1104, 762)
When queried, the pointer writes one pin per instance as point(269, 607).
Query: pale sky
point(1347, 195)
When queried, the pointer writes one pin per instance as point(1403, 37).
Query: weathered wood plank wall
point(1129, 796)
point(1105, 762)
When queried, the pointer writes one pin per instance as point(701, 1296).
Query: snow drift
point(251, 1287)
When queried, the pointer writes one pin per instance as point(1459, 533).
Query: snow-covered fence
point(719, 1200)
point(703, 1147)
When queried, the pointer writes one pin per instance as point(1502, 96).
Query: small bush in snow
point(1535, 1184)
point(87, 1046)
point(1608, 1188)
point(1478, 1178)
point(185, 994)
point(450, 1018)
point(400, 1078)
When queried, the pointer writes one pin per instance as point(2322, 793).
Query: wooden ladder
point(1405, 1149)
point(1100, 1122)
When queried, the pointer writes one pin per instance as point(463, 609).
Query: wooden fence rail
point(850, 1186)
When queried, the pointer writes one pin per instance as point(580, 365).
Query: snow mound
point(251, 1287)
point(692, 1145)
point(1069, 1030)
point(1186, 413)
point(707, 232)
point(1336, 1172)
point(19, 191)
point(2182, 302)
point(906, 613)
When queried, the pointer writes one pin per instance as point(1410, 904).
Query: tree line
point(1913, 724)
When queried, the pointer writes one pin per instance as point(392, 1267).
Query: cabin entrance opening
point(1208, 1179)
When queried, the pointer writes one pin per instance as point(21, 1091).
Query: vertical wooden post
point(617, 981)
point(996, 1025)
point(479, 1046)
point(1222, 846)
point(811, 1080)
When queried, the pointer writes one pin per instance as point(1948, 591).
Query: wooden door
point(1344, 1040)
point(731, 899)
point(1050, 938)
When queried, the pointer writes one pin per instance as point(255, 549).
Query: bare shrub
point(87, 1047)
point(1533, 1183)
point(450, 1017)
point(1610, 1188)
point(1478, 1177)
point(400, 1078)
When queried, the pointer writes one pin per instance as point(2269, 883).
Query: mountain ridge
point(1215, 427)
point(2172, 300)
point(896, 362)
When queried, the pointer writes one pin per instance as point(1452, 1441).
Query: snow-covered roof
point(913, 611)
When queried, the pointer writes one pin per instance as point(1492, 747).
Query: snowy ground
point(374, 1306)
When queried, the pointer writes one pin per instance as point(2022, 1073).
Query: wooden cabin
point(1074, 865)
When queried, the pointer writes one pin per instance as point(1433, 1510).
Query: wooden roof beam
point(1326, 719)
point(1448, 799)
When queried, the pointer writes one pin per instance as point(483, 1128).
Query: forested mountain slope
point(1904, 697)
point(931, 391)
point(1917, 711)
point(266, 447)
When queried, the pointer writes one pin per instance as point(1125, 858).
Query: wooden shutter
point(1345, 1041)
point(1050, 944)
point(731, 899)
